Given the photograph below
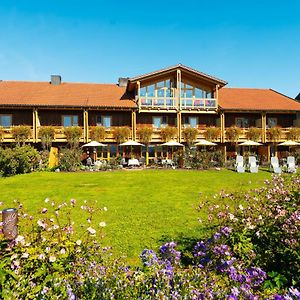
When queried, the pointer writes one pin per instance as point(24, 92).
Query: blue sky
point(247, 43)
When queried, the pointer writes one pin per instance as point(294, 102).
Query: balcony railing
point(7, 135)
point(172, 103)
point(201, 103)
point(155, 102)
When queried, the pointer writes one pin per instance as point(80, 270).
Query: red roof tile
point(255, 99)
point(65, 94)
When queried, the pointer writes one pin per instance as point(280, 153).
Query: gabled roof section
point(174, 68)
point(298, 97)
point(23, 93)
point(255, 99)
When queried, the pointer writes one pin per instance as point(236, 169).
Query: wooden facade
point(177, 96)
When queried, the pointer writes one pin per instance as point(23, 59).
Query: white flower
point(78, 242)
point(105, 208)
point(91, 230)
point(102, 224)
point(52, 258)
point(241, 207)
point(47, 249)
point(63, 251)
point(41, 223)
point(14, 256)
point(42, 256)
point(55, 226)
point(25, 255)
point(47, 200)
point(20, 240)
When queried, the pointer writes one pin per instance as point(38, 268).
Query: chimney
point(55, 79)
point(123, 81)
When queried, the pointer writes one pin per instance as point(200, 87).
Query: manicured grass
point(145, 207)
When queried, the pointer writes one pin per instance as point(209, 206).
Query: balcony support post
point(179, 126)
point(178, 90)
point(85, 125)
point(139, 94)
point(263, 127)
point(34, 127)
point(133, 125)
point(222, 119)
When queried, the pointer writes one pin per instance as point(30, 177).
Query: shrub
point(233, 134)
point(254, 134)
point(121, 134)
point(97, 133)
point(190, 135)
point(168, 133)
point(212, 133)
point(145, 134)
point(19, 160)
point(21, 134)
point(293, 134)
point(266, 232)
point(73, 135)
point(47, 134)
point(70, 159)
point(275, 133)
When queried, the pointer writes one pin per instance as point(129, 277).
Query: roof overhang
point(166, 71)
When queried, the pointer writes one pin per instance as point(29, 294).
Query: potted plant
point(73, 135)
point(98, 133)
point(254, 134)
point(46, 134)
point(168, 133)
point(212, 133)
point(21, 134)
point(190, 135)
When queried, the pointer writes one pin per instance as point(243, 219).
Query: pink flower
point(44, 210)
point(91, 230)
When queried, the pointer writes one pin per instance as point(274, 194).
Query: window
point(159, 122)
point(190, 91)
point(5, 120)
point(71, 120)
point(191, 122)
point(242, 122)
point(272, 122)
point(104, 121)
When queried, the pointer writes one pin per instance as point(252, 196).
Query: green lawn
point(144, 207)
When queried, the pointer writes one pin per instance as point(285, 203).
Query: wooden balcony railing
point(198, 103)
point(157, 102)
point(8, 136)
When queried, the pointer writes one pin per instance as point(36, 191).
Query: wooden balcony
point(172, 103)
point(8, 136)
point(199, 104)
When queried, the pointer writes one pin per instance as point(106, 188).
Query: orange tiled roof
point(255, 99)
point(66, 94)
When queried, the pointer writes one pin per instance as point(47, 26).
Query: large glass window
point(159, 122)
point(161, 89)
point(105, 121)
point(191, 122)
point(190, 91)
point(242, 122)
point(70, 120)
point(5, 120)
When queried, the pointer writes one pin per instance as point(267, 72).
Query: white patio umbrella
point(131, 143)
point(250, 143)
point(93, 144)
point(205, 143)
point(289, 143)
point(172, 144)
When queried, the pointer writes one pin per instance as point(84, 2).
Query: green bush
point(18, 160)
point(168, 133)
point(190, 135)
point(1, 134)
point(21, 134)
point(293, 134)
point(233, 134)
point(212, 133)
point(70, 159)
point(73, 135)
point(254, 134)
point(98, 133)
point(145, 134)
point(275, 133)
point(121, 134)
point(47, 134)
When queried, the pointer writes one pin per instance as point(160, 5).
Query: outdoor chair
point(291, 165)
point(275, 165)
point(239, 164)
point(253, 167)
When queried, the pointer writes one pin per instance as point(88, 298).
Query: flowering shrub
point(253, 254)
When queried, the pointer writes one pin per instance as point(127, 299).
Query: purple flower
point(149, 258)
